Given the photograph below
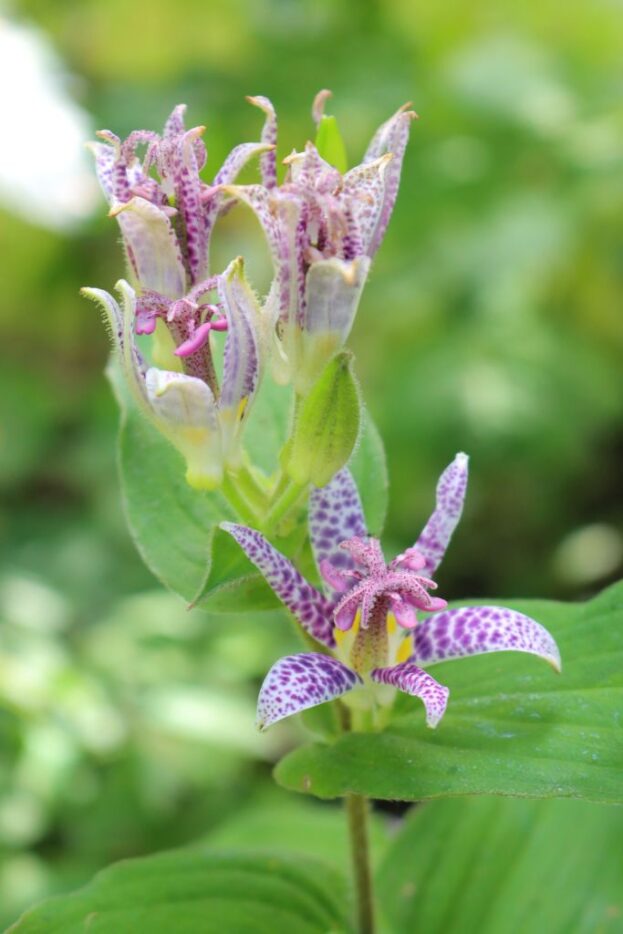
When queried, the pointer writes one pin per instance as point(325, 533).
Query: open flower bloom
point(367, 616)
point(202, 422)
point(323, 227)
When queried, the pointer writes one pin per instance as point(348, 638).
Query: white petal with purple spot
point(477, 630)
point(298, 682)
point(410, 679)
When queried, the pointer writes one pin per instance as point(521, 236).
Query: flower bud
point(327, 425)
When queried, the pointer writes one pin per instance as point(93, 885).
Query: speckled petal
point(477, 630)
point(410, 679)
point(391, 137)
point(364, 189)
point(437, 533)
point(268, 162)
point(297, 682)
point(335, 514)
point(308, 605)
point(241, 364)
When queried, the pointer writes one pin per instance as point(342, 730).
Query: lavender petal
point(268, 161)
point(152, 247)
point(298, 682)
point(410, 679)
point(437, 532)
point(308, 605)
point(335, 514)
point(478, 630)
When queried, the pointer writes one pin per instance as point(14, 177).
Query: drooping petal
point(335, 514)
point(437, 532)
point(298, 682)
point(242, 362)
point(410, 679)
point(152, 247)
point(477, 630)
point(308, 605)
point(186, 413)
point(268, 162)
point(392, 138)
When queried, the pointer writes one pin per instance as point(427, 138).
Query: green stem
point(283, 505)
point(357, 812)
point(252, 490)
point(231, 491)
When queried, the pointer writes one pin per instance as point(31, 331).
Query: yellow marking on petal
point(339, 636)
point(405, 650)
point(356, 622)
point(392, 625)
point(241, 407)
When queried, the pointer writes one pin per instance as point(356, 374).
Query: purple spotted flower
point(202, 423)
point(323, 227)
point(166, 214)
point(367, 616)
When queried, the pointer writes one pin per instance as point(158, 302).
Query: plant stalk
point(357, 812)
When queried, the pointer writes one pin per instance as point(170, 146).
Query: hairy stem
point(235, 498)
point(357, 812)
point(283, 505)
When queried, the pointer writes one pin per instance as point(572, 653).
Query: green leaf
point(495, 865)
point(204, 890)
point(330, 144)
point(512, 726)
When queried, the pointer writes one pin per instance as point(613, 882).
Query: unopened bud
point(327, 425)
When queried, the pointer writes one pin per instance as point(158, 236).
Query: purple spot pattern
point(478, 630)
point(437, 533)
point(241, 364)
point(335, 515)
point(392, 138)
point(308, 605)
point(268, 161)
point(298, 682)
point(410, 679)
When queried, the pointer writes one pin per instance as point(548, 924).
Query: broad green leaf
point(495, 865)
point(512, 727)
point(200, 890)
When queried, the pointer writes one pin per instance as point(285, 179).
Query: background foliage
point(491, 323)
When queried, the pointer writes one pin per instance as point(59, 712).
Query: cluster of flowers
point(323, 226)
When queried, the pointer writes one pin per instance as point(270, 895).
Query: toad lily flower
point(367, 615)
point(166, 214)
point(323, 227)
point(166, 220)
point(203, 424)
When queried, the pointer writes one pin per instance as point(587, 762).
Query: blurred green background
point(492, 323)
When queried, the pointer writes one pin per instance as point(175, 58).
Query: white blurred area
point(46, 174)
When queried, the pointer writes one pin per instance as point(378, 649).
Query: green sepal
point(327, 425)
